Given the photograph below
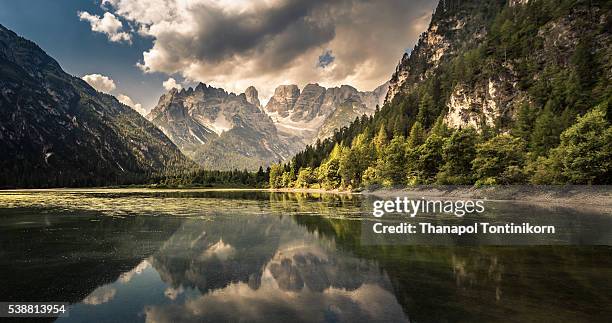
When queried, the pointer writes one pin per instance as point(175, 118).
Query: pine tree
point(586, 149)
point(499, 160)
point(458, 152)
point(394, 162)
point(417, 135)
point(380, 141)
point(546, 132)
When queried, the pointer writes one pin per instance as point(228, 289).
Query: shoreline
point(597, 197)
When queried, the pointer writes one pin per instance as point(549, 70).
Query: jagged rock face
point(513, 3)
point(252, 96)
point(318, 112)
point(220, 130)
point(451, 27)
point(486, 101)
point(56, 130)
point(283, 100)
point(308, 105)
point(475, 108)
point(493, 99)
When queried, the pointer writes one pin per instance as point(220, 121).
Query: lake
point(192, 256)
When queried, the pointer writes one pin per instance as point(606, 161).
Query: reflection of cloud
point(220, 250)
point(304, 280)
point(100, 296)
point(173, 293)
point(368, 303)
point(127, 276)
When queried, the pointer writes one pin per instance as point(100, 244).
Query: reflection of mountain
point(449, 284)
point(275, 257)
point(209, 255)
point(62, 264)
point(268, 269)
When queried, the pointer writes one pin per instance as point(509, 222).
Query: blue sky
point(55, 27)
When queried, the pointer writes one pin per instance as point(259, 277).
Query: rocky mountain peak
point(252, 96)
point(283, 100)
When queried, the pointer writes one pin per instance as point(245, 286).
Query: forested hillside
point(57, 131)
point(494, 92)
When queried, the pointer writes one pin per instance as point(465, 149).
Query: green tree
point(499, 160)
point(276, 174)
point(393, 168)
point(380, 140)
point(356, 160)
point(525, 120)
point(458, 152)
point(426, 161)
point(427, 110)
point(546, 131)
point(586, 149)
point(305, 178)
point(440, 128)
point(417, 135)
point(329, 171)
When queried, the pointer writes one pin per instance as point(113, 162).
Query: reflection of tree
point(68, 255)
point(485, 283)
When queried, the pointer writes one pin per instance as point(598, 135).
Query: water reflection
point(276, 270)
point(261, 257)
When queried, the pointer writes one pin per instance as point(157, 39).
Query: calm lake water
point(185, 256)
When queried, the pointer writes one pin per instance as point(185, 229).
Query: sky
point(139, 49)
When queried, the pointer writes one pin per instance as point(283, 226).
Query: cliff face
point(252, 96)
point(220, 130)
point(283, 100)
point(491, 56)
point(316, 112)
point(56, 130)
point(455, 25)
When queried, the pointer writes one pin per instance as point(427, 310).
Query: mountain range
point(225, 131)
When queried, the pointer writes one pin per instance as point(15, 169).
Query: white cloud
point(100, 82)
point(265, 43)
point(129, 102)
point(105, 84)
point(170, 84)
point(108, 24)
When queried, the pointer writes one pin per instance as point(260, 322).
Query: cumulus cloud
point(237, 43)
point(130, 103)
point(100, 82)
point(170, 84)
point(108, 25)
point(105, 84)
